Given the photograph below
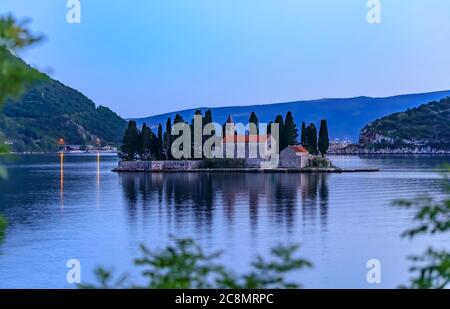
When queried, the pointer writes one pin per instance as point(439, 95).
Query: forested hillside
point(49, 111)
point(426, 125)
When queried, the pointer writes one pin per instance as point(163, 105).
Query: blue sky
point(146, 57)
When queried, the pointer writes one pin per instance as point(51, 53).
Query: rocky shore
point(355, 149)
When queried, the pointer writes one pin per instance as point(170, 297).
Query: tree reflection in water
point(205, 198)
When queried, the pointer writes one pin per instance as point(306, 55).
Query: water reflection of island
point(204, 197)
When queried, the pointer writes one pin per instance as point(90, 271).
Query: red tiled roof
point(245, 138)
point(299, 148)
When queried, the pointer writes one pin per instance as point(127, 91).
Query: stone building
point(256, 149)
point(294, 157)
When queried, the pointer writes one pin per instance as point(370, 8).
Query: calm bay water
point(75, 207)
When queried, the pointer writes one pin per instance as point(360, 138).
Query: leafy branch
point(184, 265)
point(432, 269)
point(15, 75)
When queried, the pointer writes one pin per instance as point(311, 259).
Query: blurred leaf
point(432, 269)
point(3, 224)
point(184, 265)
point(106, 280)
point(3, 148)
point(14, 73)
point(15, 35)
point(3, 172)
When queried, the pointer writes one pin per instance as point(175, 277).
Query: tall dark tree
point(324, 141)
point(160, 144)
point(208, 117)
point(145, 143)
point(291, 129)
point(303, 135)
point(178, 119)
point(207, 120)
point(253, 119)
point(130, 142)
point(168, 139)
point(311, 139)
point(282, 138)
point(196, 131)
point(224, 126)
point(269, 128)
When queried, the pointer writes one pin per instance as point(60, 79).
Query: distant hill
point(49, 111)
point(426, 125)
point(346, 117)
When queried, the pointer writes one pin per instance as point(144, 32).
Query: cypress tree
point(145, 143)
point(253, 119)
point(130, 142)
point(196, 131)
point(208, 117)
point(160, 145)
point(140, 141)
point(178, 119)
point(224, 126)
point(312, 139)
point(168, 139)
point(207, 120)
point(304, 141)
point(269, 128)
point(291, 129)
point(282, 138)
point(324, 141)
point(153, 146)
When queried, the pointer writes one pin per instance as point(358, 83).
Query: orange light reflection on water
point(61, 180)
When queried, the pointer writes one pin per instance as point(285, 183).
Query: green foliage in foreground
point(3, 175)
point(14, 74)
point(3, 224)
point(3, 149)
point(184, 265)
point(432, 269)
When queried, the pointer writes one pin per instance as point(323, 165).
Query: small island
point(233, 148)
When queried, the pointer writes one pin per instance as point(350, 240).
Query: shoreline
point(308, 170)
point(58, 153)
point(356, 149)
point(442, 153)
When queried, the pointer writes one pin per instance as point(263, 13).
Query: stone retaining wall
point(157, 165)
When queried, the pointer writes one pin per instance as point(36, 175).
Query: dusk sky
point(145, 57)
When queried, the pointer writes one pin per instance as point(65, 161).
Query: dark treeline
point(145, 144)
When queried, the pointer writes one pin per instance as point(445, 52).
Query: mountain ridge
point(346, 116)
point(296, 101)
